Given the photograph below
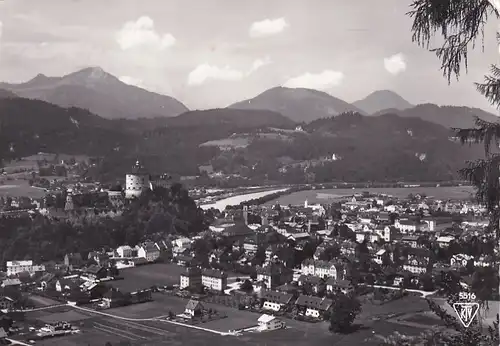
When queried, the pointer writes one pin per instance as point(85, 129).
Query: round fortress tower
point(136, 181)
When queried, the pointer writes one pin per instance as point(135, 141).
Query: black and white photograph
point(253, 173)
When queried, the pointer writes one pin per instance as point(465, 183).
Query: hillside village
point(282, 261)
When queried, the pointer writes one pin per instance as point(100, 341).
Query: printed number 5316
point(467, 296)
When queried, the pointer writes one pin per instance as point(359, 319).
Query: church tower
point(69, 203)
point(245, 214)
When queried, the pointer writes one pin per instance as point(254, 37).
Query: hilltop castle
point(137, 181)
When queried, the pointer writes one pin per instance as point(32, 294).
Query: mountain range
point(105, 95)
point(298, 104)
point(282, 135)
point(100, 92)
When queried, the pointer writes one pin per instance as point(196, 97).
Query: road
point(423, 293)
point(17, 342)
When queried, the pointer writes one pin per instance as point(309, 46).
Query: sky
point(212, 53)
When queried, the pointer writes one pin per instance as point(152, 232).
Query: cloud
point(142, 33)
point(319, 81)
point(267, 27)
point(205, 72)
point(395, 64)
point(257, 64)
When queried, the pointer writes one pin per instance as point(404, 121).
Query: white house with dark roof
point(193, 308)
point(343, 286)
point(124, 251)
point(313, 306)
point(275, 301)
point(269, 322)
point(148, 250)
point(444, 241)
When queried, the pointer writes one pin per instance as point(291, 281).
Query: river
point(235, 200)
point(330, 195)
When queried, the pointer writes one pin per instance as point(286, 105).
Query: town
point(352, 264)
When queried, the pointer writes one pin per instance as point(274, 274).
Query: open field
point(163, 303)
point(331, 195)
point(409, 304)
point(234, 142)
point(429, 319)
point(145, 276)
point(20, 187)
point(148, 275)
point(69, 316)
point(30, 162)
point(40, 301)
point(97, 330)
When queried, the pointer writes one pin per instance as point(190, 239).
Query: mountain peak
point(90, 73)
point(298, 104)
point(37, 80)
point(100, 92)
point(382, 99)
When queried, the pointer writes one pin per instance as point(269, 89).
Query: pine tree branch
point(484, 175)
point(459, 22)
point(490, 88)
point(485, 132)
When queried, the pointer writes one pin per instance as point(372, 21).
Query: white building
point(274, 300)
point(136, 182)
point(444, 241)
point(190, 278)
point(268, 322)
point(148, 250)
point(407, 226)
point(460, 259)
point(379, 256)
point(415, 266)
point(387, 233)
point(214, 279)
point(17, 267)
point(124, 251)
point(184, 243)
point(322, 269)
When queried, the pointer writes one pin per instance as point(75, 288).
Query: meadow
point(331, 195)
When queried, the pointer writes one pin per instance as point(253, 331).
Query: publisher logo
point(466, 312)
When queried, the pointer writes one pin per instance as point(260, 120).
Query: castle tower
point(136, 181)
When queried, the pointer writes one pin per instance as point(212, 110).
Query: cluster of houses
point(373, 221)
point(379, 223)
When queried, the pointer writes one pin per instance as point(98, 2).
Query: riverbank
point(238, 199)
